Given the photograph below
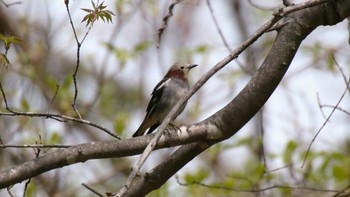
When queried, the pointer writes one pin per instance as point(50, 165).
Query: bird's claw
point(170, 127)
point(174, 126)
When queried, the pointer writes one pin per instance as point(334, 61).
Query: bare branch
point(4, 96)
point(54, 97)
point(325, 122)
point(10, 4)
point(299, 6)
point(34, 146)
point(341, 71)
point(341, 192)
point(37, 153)
point(264, 28)
point(79, 44)
point(98, 150)
point(338, 108)
point(194, 89)
point(92, 190)
point(254, 190)
point(165, 21)
point(218, 27)
point(9, 191)
point(60, 118)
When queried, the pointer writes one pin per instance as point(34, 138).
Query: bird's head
point(180, 70)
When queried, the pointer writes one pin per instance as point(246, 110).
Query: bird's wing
point(156, 95)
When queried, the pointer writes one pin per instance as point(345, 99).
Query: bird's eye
point(182, 67)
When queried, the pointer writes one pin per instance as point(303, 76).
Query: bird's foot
point(174, 126)
point(169, 128)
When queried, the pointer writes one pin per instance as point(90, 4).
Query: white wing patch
point(163, 84)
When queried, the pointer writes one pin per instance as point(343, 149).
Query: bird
point(164, 97)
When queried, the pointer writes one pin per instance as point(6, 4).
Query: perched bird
point(165, 95)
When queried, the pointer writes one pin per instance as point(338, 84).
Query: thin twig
point(320, 105)
point(254, 190)
point(58, 117)
point(4, 96)
point(342, 191)
point(338, 108)
point(79, 44)
point(54, 97)
point(26, 187)
point(165, 21)
point(261, 143)
point(325, 122)
point(34, 146)
point(10, 4)
point(340, 70)
point(9, 191)
point(276, 169)
point(77, 64)
point(347, 82)
point(92, 190)
point(299, 6)
point(37, 153)
point(218, 27)
point(152, 144)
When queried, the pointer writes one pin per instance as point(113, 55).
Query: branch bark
point(229, 120)
point(198, 137)
point(102, 149)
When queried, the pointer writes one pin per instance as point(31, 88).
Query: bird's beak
point(192, 66)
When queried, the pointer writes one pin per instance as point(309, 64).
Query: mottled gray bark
point(198, 137)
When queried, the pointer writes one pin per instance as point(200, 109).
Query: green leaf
point(201, 48)
point(98, 11)
point(120, 122)
point(31, 189)
point(24, 104)
point(55, 138)
point(141, 46)
point(67, 83)
point(330, 62)
point(8, 40)
point(289, 151)
point(122, 54)
point(340, 172)
point(199, 176)
point(188, 178)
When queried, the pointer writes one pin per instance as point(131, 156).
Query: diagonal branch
point(264, 28)
point(242, 108)
point(194, 89)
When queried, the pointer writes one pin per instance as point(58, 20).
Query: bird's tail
point(141, 130)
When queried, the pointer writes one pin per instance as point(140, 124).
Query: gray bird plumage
point(165, 95)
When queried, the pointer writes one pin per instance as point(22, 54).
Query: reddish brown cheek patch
point(176, 73)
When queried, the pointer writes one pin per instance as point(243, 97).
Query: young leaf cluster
point(98, 11)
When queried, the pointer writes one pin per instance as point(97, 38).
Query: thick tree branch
point(242, 108)
point(200, 136)
point(160, 174)
point(102, 149)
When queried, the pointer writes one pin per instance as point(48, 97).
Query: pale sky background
point(294, 101)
